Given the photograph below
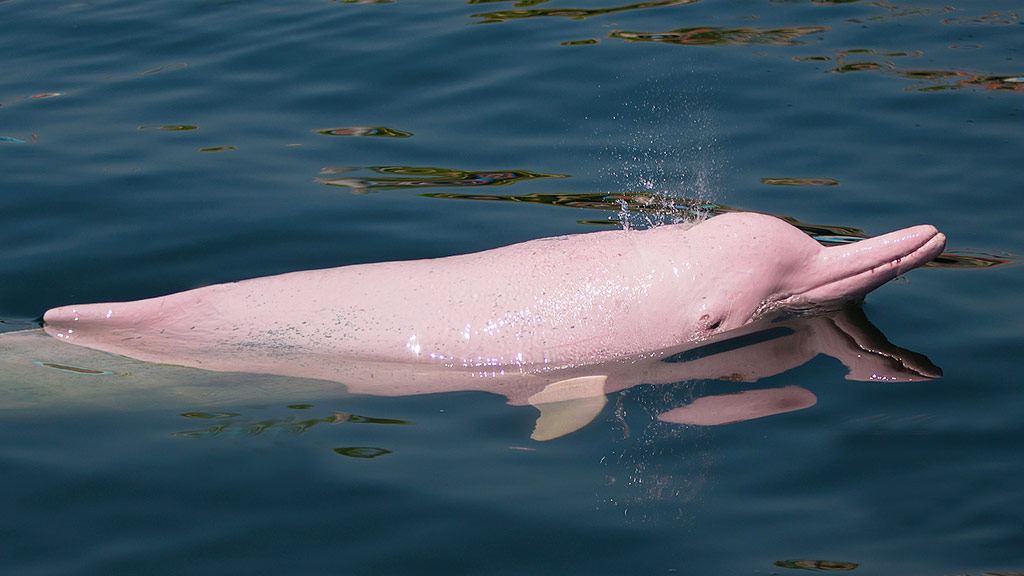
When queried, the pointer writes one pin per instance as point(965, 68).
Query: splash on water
point(665, 148)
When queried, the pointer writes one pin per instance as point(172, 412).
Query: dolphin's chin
point(801, 308)
point(866, 265)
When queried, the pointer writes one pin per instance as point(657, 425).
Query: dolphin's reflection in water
point(568, 398)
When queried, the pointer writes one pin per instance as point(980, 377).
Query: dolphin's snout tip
point(910, 248)
point(933, 245)
point(59, 322)
point(923, 233)
point(58, 315)
point(940, 241)
point(913, 246)
point(70, 315)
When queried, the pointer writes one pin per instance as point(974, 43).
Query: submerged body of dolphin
point(37, 372)
point(549, 303)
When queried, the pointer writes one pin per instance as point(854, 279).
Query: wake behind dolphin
point(549, 303)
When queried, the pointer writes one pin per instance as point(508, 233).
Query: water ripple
point(426, 177)
point(572, 13)
point(717, 36)
point(378, 131)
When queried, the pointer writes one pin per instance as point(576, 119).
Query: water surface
point(150, 147)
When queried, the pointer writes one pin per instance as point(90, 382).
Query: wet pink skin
point(548, 303)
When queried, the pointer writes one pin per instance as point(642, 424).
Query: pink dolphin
point(539, 305)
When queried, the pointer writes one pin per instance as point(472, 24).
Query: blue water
point(150, 147)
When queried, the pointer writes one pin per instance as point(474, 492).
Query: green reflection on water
point(236, 424)
point(993, 18)
point(857, 67)
point(959, 80)
point(800, 181)
point(573, 13)
point(170, 127)
point(941, 80)
point(210, 415)
point(362, 451)
point(841, 56)
point(894, 12)
point(884, 62)
point(357, 419)
point(816, 565)
point(716, 36)
point(400, 177)
point(378, 131)
point(520, 4)
point(73, 369)
point(638, 202)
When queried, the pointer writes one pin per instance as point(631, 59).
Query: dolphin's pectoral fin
point(567, 405)
point(560, 418)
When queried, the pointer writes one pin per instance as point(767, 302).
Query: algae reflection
point(233, 424)
point(885, 62)
point(956, 80)
point(718, 36)
point(405, 177)
point(373, 131)
point(572, 13)
point(816, 565)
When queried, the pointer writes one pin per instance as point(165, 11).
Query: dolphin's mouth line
point(915, 257)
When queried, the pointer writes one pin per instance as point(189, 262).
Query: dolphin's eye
point(709, 323)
